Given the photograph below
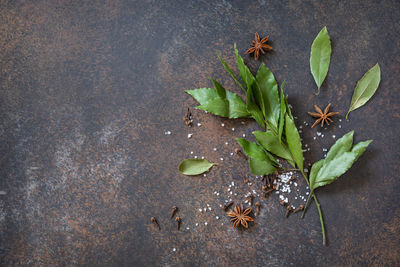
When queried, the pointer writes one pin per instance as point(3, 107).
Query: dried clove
point(227, 206)
point(178, 220)
point(154, 221)
point(282, 202)
point(288, 210)
point(300, 208)
point(246, 181)
point(173, 211)
point(188, 118)
point(258, 205)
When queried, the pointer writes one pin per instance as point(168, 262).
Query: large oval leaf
point(195, 166)
point(320, 57)
point(365, 88)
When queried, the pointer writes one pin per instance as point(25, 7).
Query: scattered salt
point(340, 126)
point(231, 153)
point(314, 137)
point(202, 157)
point(226, 143)
point(191, 152)
point(233, 129)
point(222, 159)
point(244, 135)
point(222, 124)
point(216, 217)
point(195, 157)
point(324, 149)
point(319, 133)
point(333, 136)
point(215, 149)
point(198, 124)
point(174, 249)
point(205, 223)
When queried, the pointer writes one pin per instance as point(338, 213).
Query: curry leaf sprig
point(280, 137)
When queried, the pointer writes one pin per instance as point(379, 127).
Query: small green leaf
point(281, 114)
point(288, 111)
point(231, 107)
point(253, 150)
point(320, 57)
point(203, 95)
point(261, 167)
point(244, 71)
point(269, 91)
point(339, 159)
point(365, 88)
point(195, 166)
point(253, 109)
point(220, 90)
point(229, 70)
point(293, 140)
point(342, 145)
point(271, 143)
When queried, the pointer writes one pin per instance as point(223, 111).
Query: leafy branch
point(268, 105)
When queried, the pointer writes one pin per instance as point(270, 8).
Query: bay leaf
point(194, 166)
point(293, 140)
point(320, 57)
point(230, 72)
point(365, 88)
point(269, 91)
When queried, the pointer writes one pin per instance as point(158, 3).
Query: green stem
point(307, 203)
point(321, 219)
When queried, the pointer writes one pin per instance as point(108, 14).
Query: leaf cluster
point(265, 104)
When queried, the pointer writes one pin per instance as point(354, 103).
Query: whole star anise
point(322, 116)
point(258, 45)
point(239, 217)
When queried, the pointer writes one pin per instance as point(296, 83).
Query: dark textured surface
point(88, 90)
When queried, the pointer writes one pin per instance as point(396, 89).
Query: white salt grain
point(333, 136)
point(191, 152)
point(222, 124)
point(233, 129)
point(174, 249)
point(215, 149)
point(244, 135)
point(190, 136)
point(226, 143)
point(198, 124)
point(319, 133)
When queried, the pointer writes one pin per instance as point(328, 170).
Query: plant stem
point(321, 219)
point(307, 203)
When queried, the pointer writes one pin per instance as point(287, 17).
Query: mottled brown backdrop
point(88, 89)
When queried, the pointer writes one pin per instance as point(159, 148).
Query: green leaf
point(253, 109)
point(293, 140)
point(203, 95)
point(315, 169)
point(244, 71)
point(271, 143)
point(365, 88)
point(269, 91)
point(320, 57)
point(195, 166)
point(281, 114)
point(339, 159)
point(220, 90)
point(229, 70)
point(261, 167)
point(253, 150)
point(231, 107)
point(288, 111)
point(342, 145)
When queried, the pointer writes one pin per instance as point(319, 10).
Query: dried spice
point(173, 211)
point(322, 116)
point(300, 208)
point(226, 206)
point(240, 217)
point(258, 45)
point(178, 221)
point(154, 221)
point(288, 210)
point(188, 118)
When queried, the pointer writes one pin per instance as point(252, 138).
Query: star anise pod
point(258, 45)
point(322, 116)
point(240, 217)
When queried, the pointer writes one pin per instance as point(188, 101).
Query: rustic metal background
point(88, 89)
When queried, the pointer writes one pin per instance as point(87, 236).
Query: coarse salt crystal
point(233, 129)
point(319, 133)
point(198, 124)
point(333, 136)
point(202, 157)
point(324, 149)
point(174, 249)
point(231, 153)
point(244, 135)
point(222, 159)
point(217, 217)
point(197, 224)
point(204, 175)
point(215, 149)
point(222, 124)
point(195, 157)
point(191, 152)
point(340, 126)
point(205, 223)
point(226, 143)
point(314, 137)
